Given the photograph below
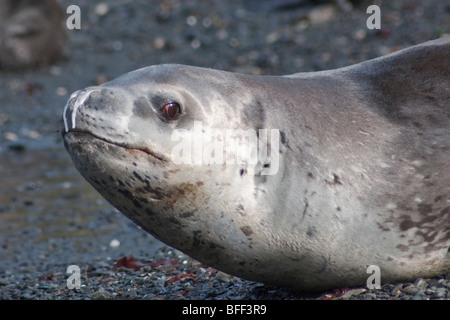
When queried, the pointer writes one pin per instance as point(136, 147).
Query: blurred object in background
point(32, 33)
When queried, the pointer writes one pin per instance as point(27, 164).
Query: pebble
point(4, 282)
point(99, 295)
point(411, 289)
point(420, 296)
point(322, 14)
point(420, 283)
point(440, 292)
point(11, 136)
point(101, 9)
point(351, 293)
point(396, 290)
point(224, 277)
point(114, 243)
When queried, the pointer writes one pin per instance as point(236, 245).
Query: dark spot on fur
point(241, 210)
point(383, 228)
point(247, 230)
point(255, 114)
point(196, 240)
point(157, 192)
point(127, 194)
point(336, 180)
point(143, 200)
point(425, 208)
point(174, 221)
point(243, 172)
point(311, 231)
point(213, 245)
point(139, 177)
point(142, 108)
point(283, 137)
point(305, 209)
point(137, 204)
point(402, 247)
point(429, 237)
point(260, 179)
point(187, 214)
point(406, 225)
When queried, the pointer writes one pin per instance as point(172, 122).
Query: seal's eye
point(171, 110)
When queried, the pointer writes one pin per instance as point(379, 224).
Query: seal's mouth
point(131, 149)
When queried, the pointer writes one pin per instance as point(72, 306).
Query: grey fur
point(363, 179)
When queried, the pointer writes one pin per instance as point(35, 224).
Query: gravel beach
point(50, 218)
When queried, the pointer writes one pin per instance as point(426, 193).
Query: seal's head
point(153, 142)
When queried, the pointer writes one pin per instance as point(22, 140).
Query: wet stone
point(99, 295)
point(411, 289)
point(421, 283)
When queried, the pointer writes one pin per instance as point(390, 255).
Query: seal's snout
point(92, 108)
point(99, 111)
point(77, 99)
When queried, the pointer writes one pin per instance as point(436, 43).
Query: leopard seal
point(363, 176)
